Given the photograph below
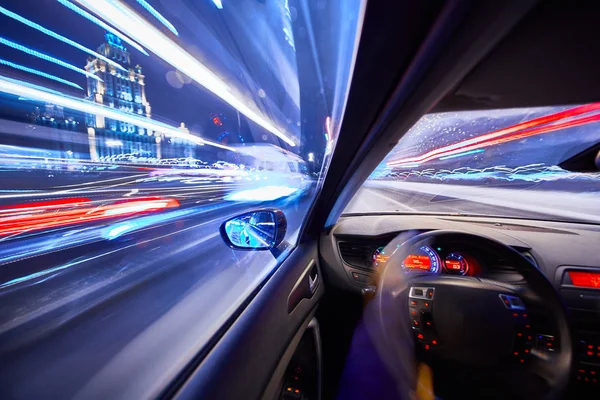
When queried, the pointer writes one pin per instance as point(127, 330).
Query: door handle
point(305, 287)
point(312, 282)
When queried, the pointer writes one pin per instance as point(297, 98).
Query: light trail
point(23, 219)
point(491, 138)
point(530, 173)
point(45, 57)
point(34, 92)
point(466, 153)
point(536, 131)
point(102, 25)
point(148, 35)
point(531, 132)
point(67, 300)
point(158, 16)
point(54, 35)
point(44, 205)
point(39, 73)
point(262, 193)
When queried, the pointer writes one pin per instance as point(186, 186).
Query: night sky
point(221, 48)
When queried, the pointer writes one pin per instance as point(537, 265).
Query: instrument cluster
point(434, 260)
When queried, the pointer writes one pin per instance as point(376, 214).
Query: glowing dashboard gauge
point(379, 257)
point(456, 264)
point(424, 259)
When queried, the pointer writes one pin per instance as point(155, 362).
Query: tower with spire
point(123, 90)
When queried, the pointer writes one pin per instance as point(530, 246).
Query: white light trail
point(103, 25)
point(148, 35)
point(158, 16)
point(63, 39)
point(114, 143)
point(34, 92)
point(39, 73)
point(265, 193)
point(45, 57)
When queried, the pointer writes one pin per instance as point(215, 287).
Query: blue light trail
point(56, 36)
point(45, 57)
point(101, 24)
point(39, 73)
point(218, 3)
point(466, 153)
point(158, 16)
point(34, 92)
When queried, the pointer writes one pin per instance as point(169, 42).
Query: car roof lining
point(548, 59)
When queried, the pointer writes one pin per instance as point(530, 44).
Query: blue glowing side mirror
point(255, 230)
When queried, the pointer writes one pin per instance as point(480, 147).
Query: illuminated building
point(54, 117)
point(126, 92)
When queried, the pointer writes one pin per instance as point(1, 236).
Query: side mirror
point(256, 230)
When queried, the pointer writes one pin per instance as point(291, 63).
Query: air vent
point(507, 273)
point(355, 254)
point(503, 269)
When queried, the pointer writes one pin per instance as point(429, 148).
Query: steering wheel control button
point(420, 305)
point(512, 302)
point(424, 293)
point(588, 374)
point(426, 319)
point(523, 339)
point(545, 343)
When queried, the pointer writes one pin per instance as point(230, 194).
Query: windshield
point(503, 163)
point(130, 130)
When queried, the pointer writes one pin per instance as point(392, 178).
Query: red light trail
point(514, 132)
point(52, 214)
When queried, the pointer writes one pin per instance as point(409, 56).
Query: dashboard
point(358, 247)
point(363, 257)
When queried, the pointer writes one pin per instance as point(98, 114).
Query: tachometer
point(456, 264)
point(424, 259)
point(379, 257)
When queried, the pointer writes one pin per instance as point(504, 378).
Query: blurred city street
point(59, 286)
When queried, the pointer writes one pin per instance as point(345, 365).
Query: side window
point(129, 131)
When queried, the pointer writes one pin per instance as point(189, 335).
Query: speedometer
point(424, 259)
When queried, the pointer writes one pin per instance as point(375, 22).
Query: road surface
point(82, 309)
point(531, 201)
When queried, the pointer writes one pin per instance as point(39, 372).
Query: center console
point(580, 289)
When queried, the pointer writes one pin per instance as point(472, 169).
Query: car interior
point(505, 320)
point(388, 305)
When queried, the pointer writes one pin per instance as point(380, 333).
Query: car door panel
point(242, 361)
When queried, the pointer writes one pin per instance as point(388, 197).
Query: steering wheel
point(480, 325)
